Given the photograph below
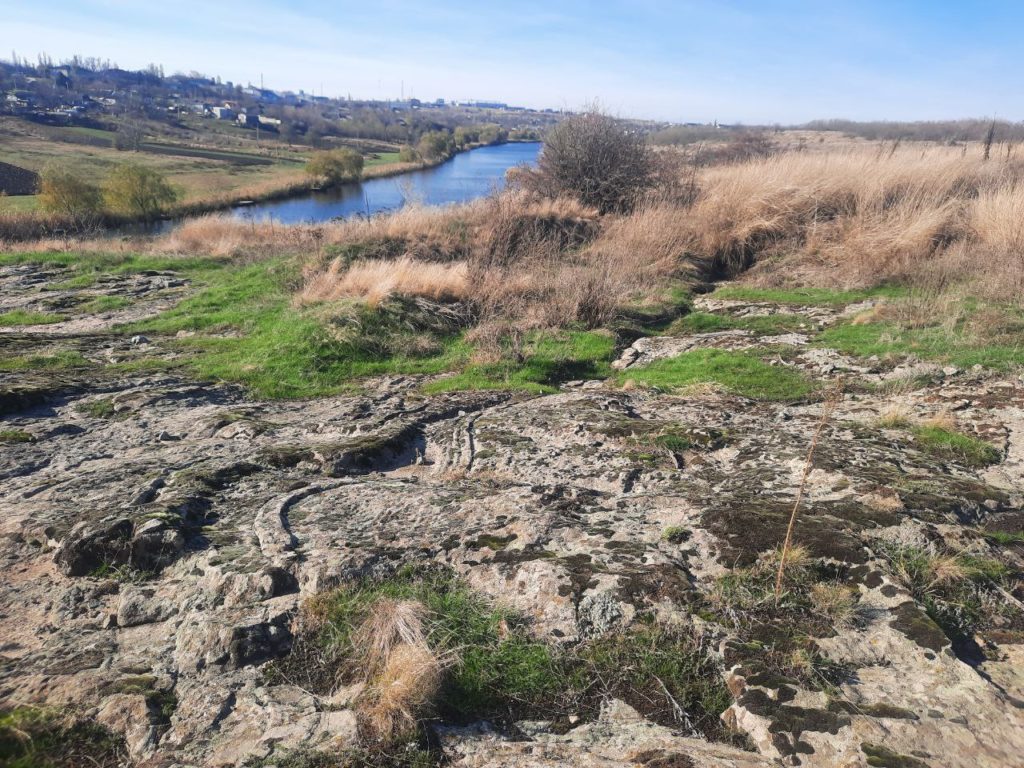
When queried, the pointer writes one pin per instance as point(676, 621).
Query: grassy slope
point(200, 179)
point(242, 326)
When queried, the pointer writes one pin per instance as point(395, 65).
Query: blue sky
point(738, 60)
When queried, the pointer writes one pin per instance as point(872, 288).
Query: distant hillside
point(17, 181)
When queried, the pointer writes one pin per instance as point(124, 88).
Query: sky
point(749, 61)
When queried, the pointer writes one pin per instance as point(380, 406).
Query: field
point(210, 164)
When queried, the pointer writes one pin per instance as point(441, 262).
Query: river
point(468, 175)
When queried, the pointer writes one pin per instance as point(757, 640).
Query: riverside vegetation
point(508, 483)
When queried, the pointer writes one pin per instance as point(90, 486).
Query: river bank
point(33, 225)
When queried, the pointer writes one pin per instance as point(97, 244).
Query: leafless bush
point(595, 159)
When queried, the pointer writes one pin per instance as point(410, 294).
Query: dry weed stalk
point(829, 406)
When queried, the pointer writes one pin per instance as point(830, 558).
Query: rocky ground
point(158, 535)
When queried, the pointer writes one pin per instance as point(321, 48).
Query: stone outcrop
point(154, 557)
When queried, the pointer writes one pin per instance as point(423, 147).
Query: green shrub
point(138, 191)
point(63, 193)
point(436, 145)
point(336, 166)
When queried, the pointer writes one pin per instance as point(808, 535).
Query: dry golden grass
point(884, 500)
point(942, 420)
point(895, 417)
point(403, 674)
point(835, 602)
point(861, 216)
point(392, 703)
point(843, 214)
point(375, 280)
point(521, 263)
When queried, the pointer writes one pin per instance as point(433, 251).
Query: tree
point(135, 190)
point(128, 136)
point(593, 158)
point(491, 133)
point(62, 192)
point(407, 154)
point(336, 166)
point(436, 145)
point(465, 135)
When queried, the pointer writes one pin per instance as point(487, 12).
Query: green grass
point(505, 674)
point(98, 409)
point(74, 283)
point(964, 601)
point(94, 264)
point(104, 304)
point(382, 158)
point(1005, 538)
point(743, 373)
point(19, 203)
point(671, 441)
point(247, 331)
point(947, 443)
point(765, 325)
point(548, 359)
point(887, 340)
point(96, 133)
point(408, 755)
point(24, 317)
point(15, 436)
point(40, 738)
point(807, 296)
point(58, 361)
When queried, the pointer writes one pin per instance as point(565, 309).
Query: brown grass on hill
point(862, 216)
point(854, 214)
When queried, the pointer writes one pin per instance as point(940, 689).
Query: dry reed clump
point(402, 673)
point(434, 233)
point(375, 280)
point(531, 264)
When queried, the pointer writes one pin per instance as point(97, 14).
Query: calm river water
point(466, 176)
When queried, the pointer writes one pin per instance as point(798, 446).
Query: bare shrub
point(595, 159)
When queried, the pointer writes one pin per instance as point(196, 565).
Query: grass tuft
point(947, 443)
point(503, 674)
